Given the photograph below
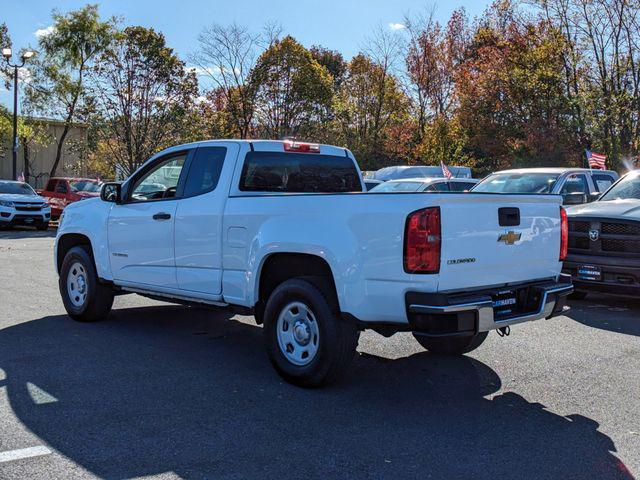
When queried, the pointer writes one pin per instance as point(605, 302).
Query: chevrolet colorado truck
point(20, 205)
point(285, 231)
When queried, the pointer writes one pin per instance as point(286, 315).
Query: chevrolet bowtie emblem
point(510, 237)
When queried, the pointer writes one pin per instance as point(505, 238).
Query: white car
point(21, 205)
point(576, 185)
point(426, 185)
point(285, 231)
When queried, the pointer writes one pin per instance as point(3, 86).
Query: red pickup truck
point(61, 191)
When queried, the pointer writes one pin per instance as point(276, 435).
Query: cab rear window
point(298, 173)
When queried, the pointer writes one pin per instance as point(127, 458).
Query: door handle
point(162, 216)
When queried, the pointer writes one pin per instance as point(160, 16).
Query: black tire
point(576, 295)
point(43, 226)
point(451, 345)
point(99, 297)
point(337, 339)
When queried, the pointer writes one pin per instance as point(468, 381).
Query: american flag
point(445, 170)
point(596, 160)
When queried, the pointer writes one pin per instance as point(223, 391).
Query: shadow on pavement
point(169, 389)
point(614, 314)
point(17, 233)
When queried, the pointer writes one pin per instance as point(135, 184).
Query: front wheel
point(43, 226)
point(307, 342)
point(84, 297)
point(451, 345)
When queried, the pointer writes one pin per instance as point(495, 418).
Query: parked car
point(418, 171)
point(604, 241)
point(61, 192)
point(21, 205)
point(283, 231)
point(426, 185)
point(576, 185)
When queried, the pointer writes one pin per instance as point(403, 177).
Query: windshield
point(16, 188)
point(84, 185)
point(627, 188)
point(517, 183)
point(398, 187)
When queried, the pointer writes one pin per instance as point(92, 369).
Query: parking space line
point(23, 453)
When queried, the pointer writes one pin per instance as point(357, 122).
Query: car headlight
point(6, 203)
point(46, 206)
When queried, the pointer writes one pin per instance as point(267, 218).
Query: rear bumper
point(463, 314)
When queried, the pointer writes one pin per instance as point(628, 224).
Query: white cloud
point(43, 32)
point(397, 26)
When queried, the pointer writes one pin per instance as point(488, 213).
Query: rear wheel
point(451, 345)
point(84, 297)
point(306, 340)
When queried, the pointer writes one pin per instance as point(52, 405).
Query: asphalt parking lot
point(166, 391)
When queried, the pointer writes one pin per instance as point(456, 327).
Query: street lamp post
point(6, 53)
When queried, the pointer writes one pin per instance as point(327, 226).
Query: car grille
point(620, 228)
point(620, 238)
point(29, 207)
point(579, 226)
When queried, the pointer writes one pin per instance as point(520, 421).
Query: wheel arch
point(278, 267)
point(66, 242)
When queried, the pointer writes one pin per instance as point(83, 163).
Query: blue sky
point(341, 25)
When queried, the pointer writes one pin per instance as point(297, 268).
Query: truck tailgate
point(478, 251)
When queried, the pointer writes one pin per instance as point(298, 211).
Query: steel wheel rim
point(77, 286)
point(298, 333)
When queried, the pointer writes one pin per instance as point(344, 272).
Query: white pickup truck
point(284, 231)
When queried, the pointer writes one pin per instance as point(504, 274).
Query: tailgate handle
point(509, 216)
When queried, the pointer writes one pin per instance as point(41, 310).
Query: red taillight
point(291, 146)
point(422, 241)
point(564, 234)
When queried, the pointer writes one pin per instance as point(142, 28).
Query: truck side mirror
point(110, 192)
point(574, 198)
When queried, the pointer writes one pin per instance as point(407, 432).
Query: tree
point(292, 90)
point(5, 42)
point(227, 55)
point(143, 93)
point(371, 109)
point(512, 99)
point(333, 61)
point(59, 87)
point(432, 58)
point(602, 70)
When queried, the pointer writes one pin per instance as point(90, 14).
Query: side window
point(298, 173)
point(575, 184)
point(438, 187)
point(204, 171)
point(602, 182)
point(61, 187)
point(161, 182)
point(460, 186)
point(51, 185)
